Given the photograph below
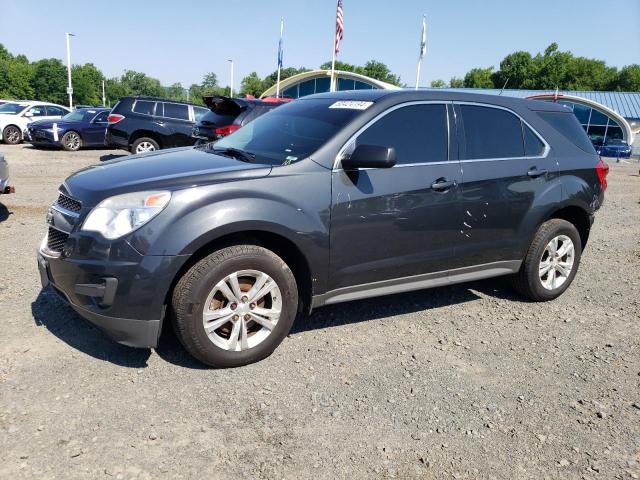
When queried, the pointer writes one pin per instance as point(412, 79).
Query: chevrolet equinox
point(330, 198)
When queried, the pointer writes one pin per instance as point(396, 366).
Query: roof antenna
point(504, 86)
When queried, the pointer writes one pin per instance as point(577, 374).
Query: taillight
point(114, 118)
point(602, 169)
point(226, 130)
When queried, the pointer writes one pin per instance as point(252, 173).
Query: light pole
point(69, 88)
point(231, 85)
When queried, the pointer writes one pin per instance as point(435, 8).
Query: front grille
point(69, 203)
point(56, 239)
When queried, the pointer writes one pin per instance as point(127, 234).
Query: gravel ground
point(468, 381)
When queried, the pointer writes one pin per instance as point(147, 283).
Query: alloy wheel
point(556, 262)
point(242, 310)
point(13, 135)
point(72, 141)
point(145, 147)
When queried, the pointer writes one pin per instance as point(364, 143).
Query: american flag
point(339, 27)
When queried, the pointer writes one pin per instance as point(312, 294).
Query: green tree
point(271, 79)
point(517, 70)
point(438, 83)
point(628, 79)
point(138, 83)
point(50, 81)
point(380, 71)
point(252, 85)
point(456, 82)
point(479, 78)
point(175, 92)
point(115, 90)
point(87, 84)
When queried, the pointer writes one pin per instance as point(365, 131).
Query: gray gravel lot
point(468, 381)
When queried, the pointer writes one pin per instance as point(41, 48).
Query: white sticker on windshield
point(351, 104)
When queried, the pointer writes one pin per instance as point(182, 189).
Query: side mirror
point(370, 156)
point(28, 114)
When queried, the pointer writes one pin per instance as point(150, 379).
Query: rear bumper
point(115, 141)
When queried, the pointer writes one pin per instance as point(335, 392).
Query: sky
point(181, 41)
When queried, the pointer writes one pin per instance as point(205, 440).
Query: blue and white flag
point(280, 53)
point(423, 37)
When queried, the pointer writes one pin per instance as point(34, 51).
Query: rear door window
point(176, 110)
point(101, 117)
point(490, 133)
point(418, 133)
point(38, 111)
point(145, 107)
point(55, 111)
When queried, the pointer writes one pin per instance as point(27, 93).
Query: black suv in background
point(144, 124)
point(333, 197)
point(227, 114)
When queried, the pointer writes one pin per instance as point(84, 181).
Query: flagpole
point(333, 67)
point(423, 48)
point(279, 57)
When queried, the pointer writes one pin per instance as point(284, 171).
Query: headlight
point(116, 216)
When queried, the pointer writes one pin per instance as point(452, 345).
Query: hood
point(49, 123)
point(167, 169)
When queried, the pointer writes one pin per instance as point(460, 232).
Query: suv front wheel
point(235, 306)
point(551, 263)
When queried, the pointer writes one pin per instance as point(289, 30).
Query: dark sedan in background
point(84, 127)
point(615, 148)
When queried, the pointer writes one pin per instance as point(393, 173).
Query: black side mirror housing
point(370, 156)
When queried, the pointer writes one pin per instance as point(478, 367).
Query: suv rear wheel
point(551, 263)
point(144, 144)
point(235, 306)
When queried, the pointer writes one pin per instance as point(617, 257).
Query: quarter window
point(533, 146)
point(490, 133)
point(176, 110)
point(144, 107)
point(417, 132)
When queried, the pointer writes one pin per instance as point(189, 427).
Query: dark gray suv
point(331, 198)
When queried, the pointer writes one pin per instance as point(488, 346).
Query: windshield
point(291, 132)
point(80, 116)
point(12, 108)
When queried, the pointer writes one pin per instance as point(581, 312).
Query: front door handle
point(534, 172)
point(442, 184)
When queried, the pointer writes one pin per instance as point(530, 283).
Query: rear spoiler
point(225, 105)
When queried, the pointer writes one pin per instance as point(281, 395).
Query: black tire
point(141, 142)
point(71, 141)
point(192, 290)
point(12, 135)
point(527, 281)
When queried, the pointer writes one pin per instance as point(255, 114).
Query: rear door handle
point(442, 184)
point(534, 172)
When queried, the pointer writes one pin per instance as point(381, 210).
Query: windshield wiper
point(236, 153)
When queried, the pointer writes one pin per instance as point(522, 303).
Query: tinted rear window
point(144, 107)
point(176, 110)
point(211, 119)
point(491, 133)
point(567, 125)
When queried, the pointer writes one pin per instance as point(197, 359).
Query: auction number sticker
point(351, 105)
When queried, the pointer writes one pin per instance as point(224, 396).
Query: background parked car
point(84, 127)
point(4, 176)
point(614, 147)
point(226, 115)
point(15, 116)
point(144, 124)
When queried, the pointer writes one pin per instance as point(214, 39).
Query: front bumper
point(125, 299)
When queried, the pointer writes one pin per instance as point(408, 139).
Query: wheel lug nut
point(247, 317)
point(252, 306)
point(234, 306)
point(236, 317)
point(244, 299)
